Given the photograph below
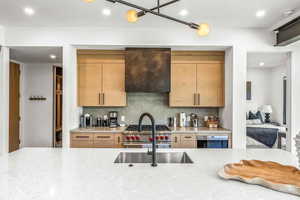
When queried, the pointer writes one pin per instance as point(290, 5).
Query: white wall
point(1, 35)
point(4, 99)
point(37, 116)
point(260, 87)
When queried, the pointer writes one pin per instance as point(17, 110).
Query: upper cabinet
point(197, 79)
point(101, 78)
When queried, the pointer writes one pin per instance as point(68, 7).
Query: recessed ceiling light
point(52, 56)
point(106, 12)
point(260, 13)
point(261, 64)
point(184, 12)
point(29, 11)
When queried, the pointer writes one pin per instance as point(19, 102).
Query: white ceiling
point(36, 54)
point(269, 60)
point(76, 13)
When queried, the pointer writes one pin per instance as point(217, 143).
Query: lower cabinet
point(96, 140)
point(184, 141)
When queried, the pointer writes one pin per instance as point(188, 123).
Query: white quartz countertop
point(90, 174)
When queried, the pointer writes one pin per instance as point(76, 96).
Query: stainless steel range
point(134, 139)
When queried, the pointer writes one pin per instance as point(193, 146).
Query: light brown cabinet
point(184, 141)
point(197, 80)
point(101, 79)
point(96, 140)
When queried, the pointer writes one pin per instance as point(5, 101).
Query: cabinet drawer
point(82, 144)
point(188, 137)
point(82, 137)
point(104, 143)
point(103, 137)
point(188, 144)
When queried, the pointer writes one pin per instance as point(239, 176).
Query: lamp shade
point(266, 109)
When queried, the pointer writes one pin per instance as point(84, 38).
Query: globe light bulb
point(131, 16)
point(203, 29)
point(88, 1)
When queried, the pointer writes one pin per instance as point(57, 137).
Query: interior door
point(90, 84)
point(183, 85)
point(14, 107)
point(210, 83)
point(114, 84)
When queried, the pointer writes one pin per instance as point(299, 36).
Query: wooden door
point(183, 85)
point(114, 84)
point(118, 140)
point(89, 84)
point(14, 107)
point(210, 84)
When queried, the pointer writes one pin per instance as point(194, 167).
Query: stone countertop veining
point(80, 174)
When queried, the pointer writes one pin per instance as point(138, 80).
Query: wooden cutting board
point(272, 175)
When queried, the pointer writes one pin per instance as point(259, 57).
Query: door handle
point(100, 99)
point(195, 99)
point(103, 98)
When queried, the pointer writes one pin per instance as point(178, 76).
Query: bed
point(266, 136)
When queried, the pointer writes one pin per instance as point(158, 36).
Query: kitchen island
point(91, 174)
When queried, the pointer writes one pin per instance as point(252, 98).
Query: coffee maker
point(113, 119)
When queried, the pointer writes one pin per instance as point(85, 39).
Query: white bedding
point(281, 129)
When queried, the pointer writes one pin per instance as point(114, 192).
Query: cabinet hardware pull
point(187, 137)
point(100, 99)
point(119, 140)
point(103, 137)
point(195, 99)
point(82, 136)
point(103, 101)
point(175, 139)
point(199, 99)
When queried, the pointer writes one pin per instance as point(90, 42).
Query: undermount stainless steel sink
point(162, 157)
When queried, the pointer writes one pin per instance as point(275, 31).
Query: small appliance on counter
point(86, 121)
point(113, 119)
point(122, 121)
point(182, 119)
point(211, 122)
point(194, 120)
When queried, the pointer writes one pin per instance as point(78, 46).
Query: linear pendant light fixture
point(133, 15)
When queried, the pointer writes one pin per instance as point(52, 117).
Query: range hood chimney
point(147, 69)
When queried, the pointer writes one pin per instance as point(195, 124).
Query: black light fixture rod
point(191, 25)
point(142, 13)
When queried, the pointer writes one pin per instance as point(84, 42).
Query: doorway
point(14, 107)
point(57, 105)
point(40, 99)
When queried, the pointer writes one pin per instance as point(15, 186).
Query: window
point(284, 99)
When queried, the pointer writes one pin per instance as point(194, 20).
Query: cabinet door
point(118, 141)
point(114, 85)
point(183, 85)
point(175, 139)
point(89, 84)
point(210, 85)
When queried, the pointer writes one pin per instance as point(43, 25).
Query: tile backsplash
point(155, 103)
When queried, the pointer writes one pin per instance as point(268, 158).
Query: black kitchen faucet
point(153, 127)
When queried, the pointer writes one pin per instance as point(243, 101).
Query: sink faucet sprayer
point(154, 163)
